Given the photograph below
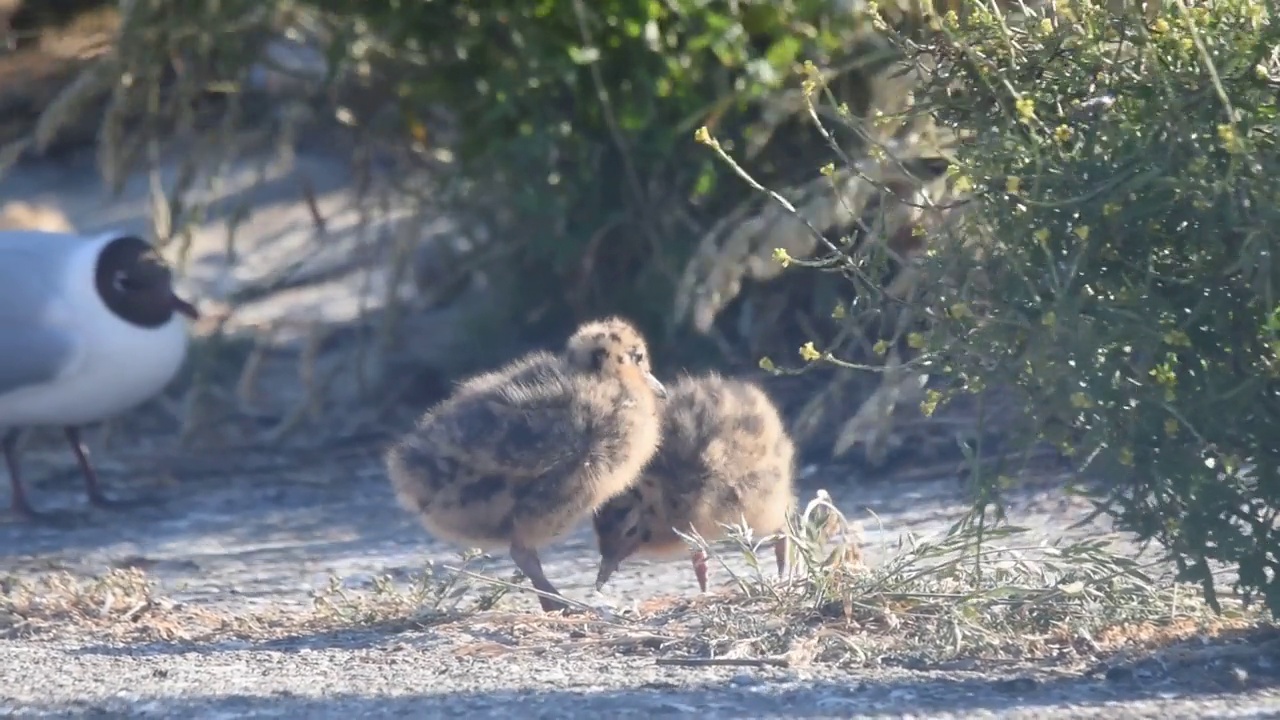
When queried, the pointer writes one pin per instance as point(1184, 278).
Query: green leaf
point(583, 56)
point(783, 53)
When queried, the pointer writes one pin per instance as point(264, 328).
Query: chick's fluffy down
point(725, 458)
point(521, 454)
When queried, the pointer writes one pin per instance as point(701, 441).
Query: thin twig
point(524, 588)
point(777, 198)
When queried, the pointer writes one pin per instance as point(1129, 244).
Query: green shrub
point(1125, 180)
point(575, 122)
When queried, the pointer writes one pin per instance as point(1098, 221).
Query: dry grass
point(978, 592)
point(975, 594)
point(122, 604)
point(934, 603)
point(438, 594)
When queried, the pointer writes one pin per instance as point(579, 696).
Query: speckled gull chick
point(515, 457)
point(725, 458)
point(89, 328)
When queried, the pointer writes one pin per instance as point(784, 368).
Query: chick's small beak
point(607, 567)
point(185, 308)
point(658, 388)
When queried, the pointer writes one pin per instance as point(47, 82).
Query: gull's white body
point(105, 365)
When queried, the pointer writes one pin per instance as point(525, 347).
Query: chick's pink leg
point(780, 552)
point(700, 568)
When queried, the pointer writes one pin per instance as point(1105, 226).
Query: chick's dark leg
point(527, 560)
point(700, 568)
point(92, 486)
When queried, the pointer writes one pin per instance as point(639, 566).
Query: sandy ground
point(242, 532)
point(245, 544)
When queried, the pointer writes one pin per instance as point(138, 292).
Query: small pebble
point(1119, 674)
point(659, 685)
point(1017, 685)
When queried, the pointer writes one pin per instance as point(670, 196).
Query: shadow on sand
point(682, 694)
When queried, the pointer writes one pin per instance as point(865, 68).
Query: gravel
point(239, 546)
point(408, 678)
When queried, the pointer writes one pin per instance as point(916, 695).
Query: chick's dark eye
point(637, 356)
point(598, 357)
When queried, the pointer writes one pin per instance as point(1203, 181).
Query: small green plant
point(972, 592)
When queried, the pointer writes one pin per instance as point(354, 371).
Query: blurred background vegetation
point(979, 227)
point(558, 137)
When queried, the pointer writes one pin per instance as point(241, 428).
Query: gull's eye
point(122, 282)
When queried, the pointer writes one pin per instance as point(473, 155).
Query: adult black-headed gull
point(89, 328)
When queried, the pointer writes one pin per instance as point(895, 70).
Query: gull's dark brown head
point(136, 284)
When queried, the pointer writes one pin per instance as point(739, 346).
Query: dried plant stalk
point(72, 102)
